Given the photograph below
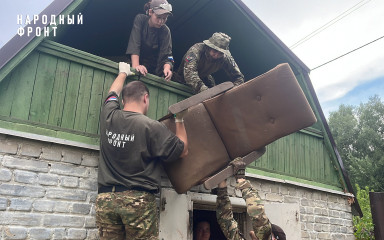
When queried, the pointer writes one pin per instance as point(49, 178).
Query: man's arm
point(124, 71)
point(134, 43)
point(191, 74)
point(224, 214)
point(231, 68)
point(135, 59)
point(262, 228)
point(165, 59)
point(181, 133)
point(167, 72)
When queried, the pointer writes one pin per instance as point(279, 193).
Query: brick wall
point(47, 191)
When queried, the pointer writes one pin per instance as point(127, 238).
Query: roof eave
point(18, 43)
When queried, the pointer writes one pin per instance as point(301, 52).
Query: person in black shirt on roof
point(150, 42)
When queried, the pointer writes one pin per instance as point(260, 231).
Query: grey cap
point(220, 42)
point(161, 7)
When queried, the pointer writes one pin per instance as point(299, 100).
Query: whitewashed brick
point(20, 204)
point(20, 218)
point(8, 147)
point(76, 233)
point(53, 154)
point(25, 177)
point(25, 164)
point(30, 150)
point(69, 170)
point(48, 179)
point(44, 206)
point(90, 161)
point(22, 191)
point(69, 182)
point(65, 194)
point(63, 221)
point(40, 233)
point(74, 157)
point(15, 232)
point(5, 175)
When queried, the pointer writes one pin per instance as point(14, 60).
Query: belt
point(119, 188)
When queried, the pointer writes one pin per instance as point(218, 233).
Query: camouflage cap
point(220, 42)
point(161, 7)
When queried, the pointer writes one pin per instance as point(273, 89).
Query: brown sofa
point(237, 122)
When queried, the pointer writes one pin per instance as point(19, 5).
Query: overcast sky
point(350, 80)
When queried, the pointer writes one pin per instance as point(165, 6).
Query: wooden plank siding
point(8, 88)
point(299, 155)
point(42, 91)
point(57, 91)
point(61, 88)
point(25, 76)
point(95, 101)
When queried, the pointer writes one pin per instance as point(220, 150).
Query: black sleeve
point(165, 51)
point(134, 43)
point(110, 104)
point(164, 144)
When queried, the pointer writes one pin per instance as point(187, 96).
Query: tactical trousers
point(127, 215)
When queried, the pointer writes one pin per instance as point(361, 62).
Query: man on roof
point(205, 58)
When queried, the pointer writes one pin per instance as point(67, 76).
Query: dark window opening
point(210, 216)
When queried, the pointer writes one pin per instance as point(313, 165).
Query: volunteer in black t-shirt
point(150, 43)
point(132, 147)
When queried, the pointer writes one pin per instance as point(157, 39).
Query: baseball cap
point(161, 6)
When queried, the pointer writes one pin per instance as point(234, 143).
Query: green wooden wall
point(299, 156)
point(57, 91)
point(60, 89)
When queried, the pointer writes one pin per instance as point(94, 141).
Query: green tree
point(359, 136)
point(363, 226)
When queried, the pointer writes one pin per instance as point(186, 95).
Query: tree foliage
point(359, 136)
point(363, 226)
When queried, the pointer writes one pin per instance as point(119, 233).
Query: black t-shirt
point(132, 146)
point(153, 45)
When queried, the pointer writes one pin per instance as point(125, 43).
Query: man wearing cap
point(262, 227)
point(205, 58)
point(150, 42)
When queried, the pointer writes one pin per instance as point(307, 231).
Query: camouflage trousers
point(127, 215)
point(255, 209)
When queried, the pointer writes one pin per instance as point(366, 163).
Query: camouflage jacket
point(255, 209)
point(195, 69)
